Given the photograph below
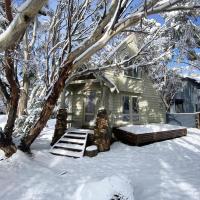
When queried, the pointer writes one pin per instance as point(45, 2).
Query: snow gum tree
point(79, 32)
point(9, 40)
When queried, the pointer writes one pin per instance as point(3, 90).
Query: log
point(101, 131)
point(91, 151)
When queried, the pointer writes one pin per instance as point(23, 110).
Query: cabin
point(127, 95)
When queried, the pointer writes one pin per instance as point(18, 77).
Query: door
point(130, 108)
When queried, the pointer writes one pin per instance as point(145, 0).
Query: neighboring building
point(187, 99)
point(128, 96)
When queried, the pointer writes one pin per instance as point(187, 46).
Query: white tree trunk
point(15, 31)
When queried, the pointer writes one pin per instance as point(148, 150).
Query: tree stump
point(101, 131)
point(61, 125)
point(91, 151)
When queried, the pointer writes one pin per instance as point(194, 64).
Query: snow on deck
point(149, 128)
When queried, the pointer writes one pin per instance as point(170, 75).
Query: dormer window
point(131, 71)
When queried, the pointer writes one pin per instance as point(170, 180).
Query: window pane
point(90, 103)
point(135, 107)
point(126, 118)
point(126, 105)
point(135, 72)
point(89, 118)
point(179, 105)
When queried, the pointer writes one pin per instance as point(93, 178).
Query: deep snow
point(168, 170)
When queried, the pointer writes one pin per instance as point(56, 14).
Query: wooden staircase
point(72, 143)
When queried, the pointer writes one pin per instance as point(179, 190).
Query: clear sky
point(157, 17)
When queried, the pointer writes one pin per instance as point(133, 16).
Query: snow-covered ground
point(168, 170)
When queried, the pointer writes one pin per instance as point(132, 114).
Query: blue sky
point(157, 17)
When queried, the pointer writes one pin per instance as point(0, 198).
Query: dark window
point(126, 108)
point(179, 105)
point(126, 105)
point(130, 108)
point(135, 106)
point(90, 106)
point(132, 72)
point(197, 107)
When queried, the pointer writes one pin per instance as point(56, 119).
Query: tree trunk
point(23, 101)
point(60, 127)
point(22, 109)
point(6, 143)
point(48, 107)
point(61, 120)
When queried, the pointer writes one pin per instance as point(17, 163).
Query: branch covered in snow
point(15, 31)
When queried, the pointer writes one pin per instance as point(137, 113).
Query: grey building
point(187, 99)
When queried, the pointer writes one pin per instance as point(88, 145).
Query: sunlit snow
point(164, 170)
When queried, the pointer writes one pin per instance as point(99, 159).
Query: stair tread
point(66, 153)
point(76, 133)
point(81, 130)
point(71, 146)
point(80, 141)
point(76, 136)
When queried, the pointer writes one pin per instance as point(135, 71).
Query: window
point(126, 108)
point(179, 105)
point(132, 72)
point(130, 107)
point(90, 106)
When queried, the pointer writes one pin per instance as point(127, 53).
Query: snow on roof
point(149, 128)
point(193, 77)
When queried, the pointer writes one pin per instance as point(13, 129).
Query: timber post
point(101, 131)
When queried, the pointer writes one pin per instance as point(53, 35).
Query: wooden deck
point(132, 137)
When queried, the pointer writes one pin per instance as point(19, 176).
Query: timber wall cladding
point(152, 106)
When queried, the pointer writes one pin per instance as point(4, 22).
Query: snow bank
point(3, 119)
point(163, 170)
point(149, 128)
point(114, 187)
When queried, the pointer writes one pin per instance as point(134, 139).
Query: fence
point(191, 120)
